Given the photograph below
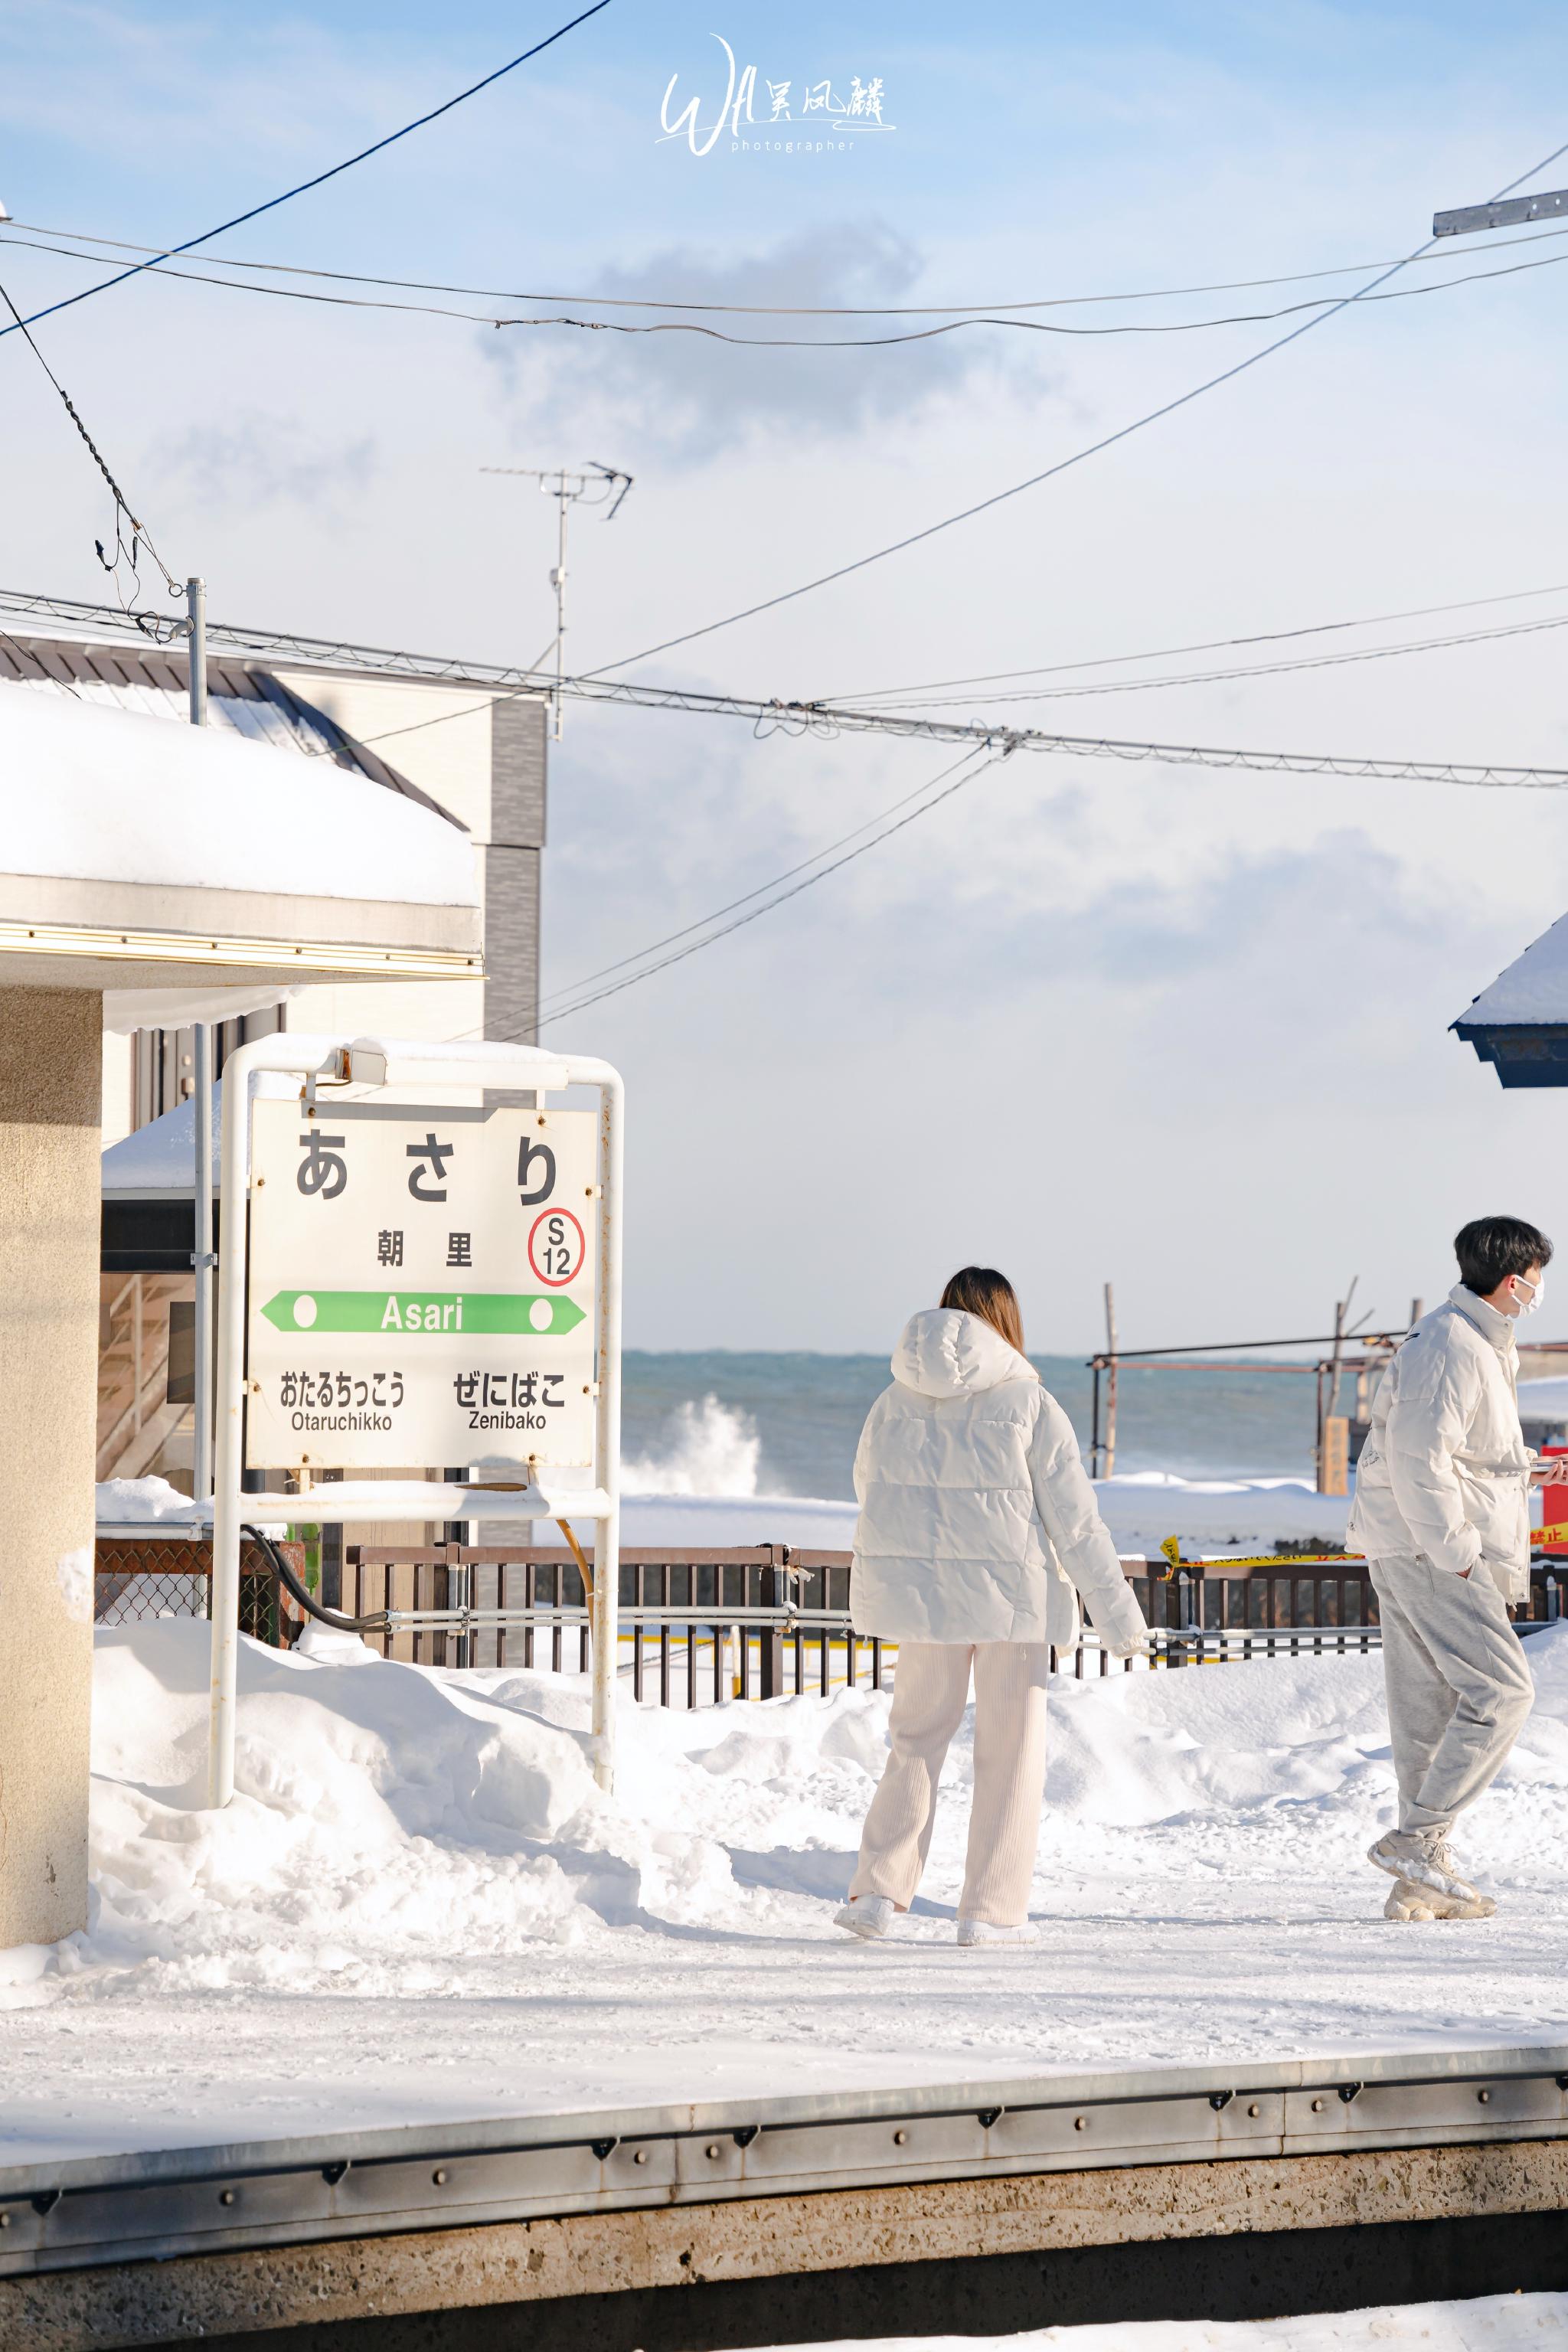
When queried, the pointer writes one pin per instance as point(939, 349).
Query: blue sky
point(1183, 1030)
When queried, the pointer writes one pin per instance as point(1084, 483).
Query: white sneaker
point(868, 1916)
point(1408, 1902)
point(1421, 1858)
point(985, 1931)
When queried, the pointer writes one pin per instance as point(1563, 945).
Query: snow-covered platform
point(422, 1938)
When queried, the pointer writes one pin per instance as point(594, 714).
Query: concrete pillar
point(50, 1082)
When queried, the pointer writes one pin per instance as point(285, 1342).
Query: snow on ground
point(420, 1908)
point(1490, 2322)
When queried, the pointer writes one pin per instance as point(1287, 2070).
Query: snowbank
point(420, 1907)
point(1490, 2322)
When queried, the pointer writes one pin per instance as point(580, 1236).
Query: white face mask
point(1529, 1305)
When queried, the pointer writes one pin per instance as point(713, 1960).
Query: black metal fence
point(767, 1622)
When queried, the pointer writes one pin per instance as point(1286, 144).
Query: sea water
point(730, 1423)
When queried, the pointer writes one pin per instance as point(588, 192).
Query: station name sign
point(422, 1287)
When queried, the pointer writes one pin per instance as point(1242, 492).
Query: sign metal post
point(399, 1285)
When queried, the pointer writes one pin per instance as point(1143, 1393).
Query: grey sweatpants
point(1458, 1687)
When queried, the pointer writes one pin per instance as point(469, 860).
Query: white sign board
point(421, 1291)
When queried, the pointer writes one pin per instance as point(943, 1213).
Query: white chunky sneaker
point(1421, 1858)
point(985, 1931)
point(1408, 1902)
point(868, 1916)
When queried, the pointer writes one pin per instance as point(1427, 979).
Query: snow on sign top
point(97, 794)
point(421, 1288)
point(1534, 987)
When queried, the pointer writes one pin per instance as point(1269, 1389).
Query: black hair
point(1491, 1248)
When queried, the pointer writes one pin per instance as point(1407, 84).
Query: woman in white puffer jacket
point(974, 1502)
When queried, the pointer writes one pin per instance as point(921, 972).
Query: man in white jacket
point(1442, 1512)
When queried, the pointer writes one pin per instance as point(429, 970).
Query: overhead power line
point(769, 309)
point(772, 714)
point(1340, 660)
point(1204, 646)
point(319, 179)
point(578, 1001)
point(140, 536)
point(1048, 473)
point(796, 342)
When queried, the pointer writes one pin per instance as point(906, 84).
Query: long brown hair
point(980, 1290)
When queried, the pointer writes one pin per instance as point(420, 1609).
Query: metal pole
point(196, 643)
point(1110, 1383)
point(202, 1347)
point(226, 1503)
point(558, 582)
point(607, 1435)
point(201, 1353)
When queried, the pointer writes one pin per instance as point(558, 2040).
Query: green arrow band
point(450, 1312)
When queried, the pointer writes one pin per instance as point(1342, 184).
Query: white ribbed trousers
point(930, 1689)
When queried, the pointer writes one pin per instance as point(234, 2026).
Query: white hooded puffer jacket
point(974, 1500)
point(1444, 1471)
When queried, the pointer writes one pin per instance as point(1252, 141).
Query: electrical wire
point(255, 211)
point(1016, 489)
point(1204, 646)
point(140, 536)
point(808, 342)
point(569, 988)
point(935, 701)
point(902, 699)
point(825, 720)
point(1449, 251)
point(580, 1003)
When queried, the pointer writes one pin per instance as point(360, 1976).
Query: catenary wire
point(825, 721)
point(914, 700)
point(771, 714)
point(320, 178)
point(1451, 251)
point(1077, 457)
point(804, 342)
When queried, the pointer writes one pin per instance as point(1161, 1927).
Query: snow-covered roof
point(244, 698)
point(1533, 987)
point(113, 795)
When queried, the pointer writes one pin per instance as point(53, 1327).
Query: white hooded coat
point(1444, 1472)
point(974, 1501)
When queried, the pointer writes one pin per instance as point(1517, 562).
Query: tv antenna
point(598, 486)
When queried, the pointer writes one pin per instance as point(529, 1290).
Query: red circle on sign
point(557, 1281)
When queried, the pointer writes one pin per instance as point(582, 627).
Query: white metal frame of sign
point(404, 1063)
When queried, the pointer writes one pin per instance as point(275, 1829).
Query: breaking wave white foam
point(711, 1449)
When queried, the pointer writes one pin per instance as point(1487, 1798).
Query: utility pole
point(202, 1260)
point(568, 489)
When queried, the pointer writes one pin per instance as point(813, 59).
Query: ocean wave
point(710, 1449)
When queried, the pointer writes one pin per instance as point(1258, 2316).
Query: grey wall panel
point(517, 759)
point(511, 943)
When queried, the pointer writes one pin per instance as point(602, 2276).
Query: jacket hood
point(946, 1353)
